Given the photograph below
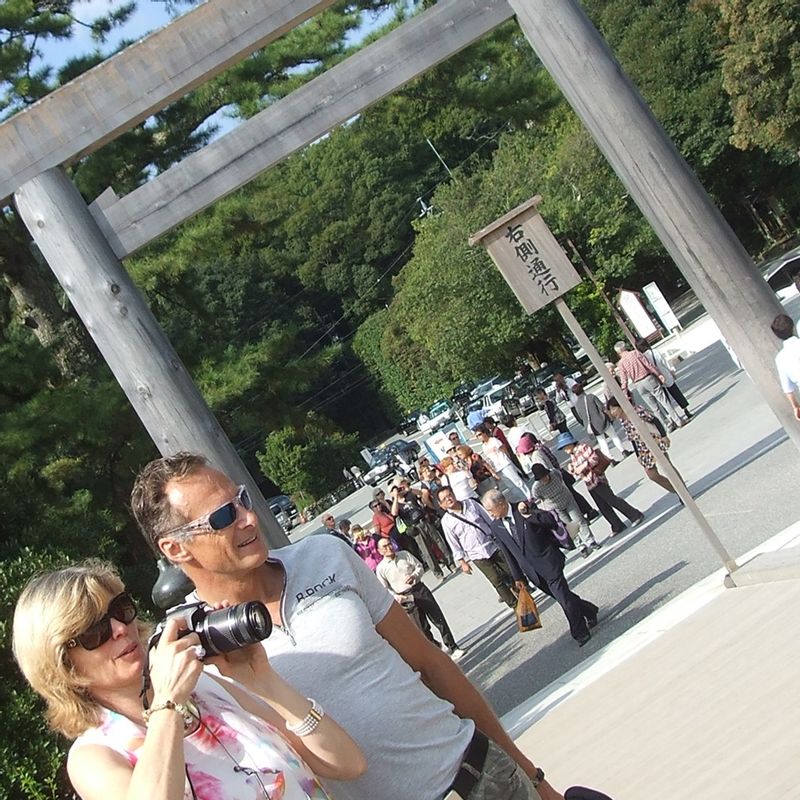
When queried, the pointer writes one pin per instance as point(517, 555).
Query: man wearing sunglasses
point(342, 639)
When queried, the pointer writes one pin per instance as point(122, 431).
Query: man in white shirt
point(467, 528)
point(788, 359)
point(401, 574)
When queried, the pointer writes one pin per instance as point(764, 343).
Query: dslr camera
point(222, 630)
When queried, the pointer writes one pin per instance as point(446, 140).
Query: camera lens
point(231, 628)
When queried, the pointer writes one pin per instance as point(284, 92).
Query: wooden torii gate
point(84, 244)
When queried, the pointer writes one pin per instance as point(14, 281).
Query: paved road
point(739, 465)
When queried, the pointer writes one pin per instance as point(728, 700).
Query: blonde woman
point(80, 646)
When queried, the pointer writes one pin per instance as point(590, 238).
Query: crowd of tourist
point(448, 520)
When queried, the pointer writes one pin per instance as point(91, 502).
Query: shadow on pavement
point(752, 453)
point(546, 664)
point(705, 368)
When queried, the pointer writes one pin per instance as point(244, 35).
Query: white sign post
point(661, 307)
point(539, 272)
point(637, 314)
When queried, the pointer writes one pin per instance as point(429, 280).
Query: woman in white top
point(494, 453)
point(78, 642)
point(459, 480)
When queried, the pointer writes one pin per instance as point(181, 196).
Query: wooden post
point(661, 183)
point(664, 463)
point(126, 332)
point(293, 122)
point(606, 299)
point(103, 102)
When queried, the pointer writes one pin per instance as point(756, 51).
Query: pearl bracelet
point(309, 723)
point(186, 710)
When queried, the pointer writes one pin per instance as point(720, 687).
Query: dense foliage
point(337, 291)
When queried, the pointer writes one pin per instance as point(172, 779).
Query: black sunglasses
point(121, 608)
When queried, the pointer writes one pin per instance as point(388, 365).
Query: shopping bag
point(527, 613)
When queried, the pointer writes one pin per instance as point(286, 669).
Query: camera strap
point(146, 682)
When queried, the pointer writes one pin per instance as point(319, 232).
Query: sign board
point(528, 256)
point(637, 314)
point(661, 307)
point(437, 444)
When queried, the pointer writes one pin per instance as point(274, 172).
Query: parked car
point(286, 504)
point(461, 393)
point(543, 377)
point(408, 425)
point(437, 417)
point(283, 518)
point(507, 400)
point(492, 401)
point(486, 386)
point(522, 390)
point(380, 467)
point(409, 450)
point(779, 274)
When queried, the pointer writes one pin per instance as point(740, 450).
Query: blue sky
point(149, 16)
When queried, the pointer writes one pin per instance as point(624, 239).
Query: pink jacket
point(368, 550)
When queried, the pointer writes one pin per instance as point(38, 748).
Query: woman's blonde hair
point(464, 451)
point(53, 608)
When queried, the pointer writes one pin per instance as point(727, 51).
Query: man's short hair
point(783, 327)
point(492, 498)
point(442, 489)
point(150, 506)
point(620, 347)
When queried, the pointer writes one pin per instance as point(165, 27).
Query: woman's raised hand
point(174, 663)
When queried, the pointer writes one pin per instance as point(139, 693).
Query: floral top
point(227, 737)
point(643, 452)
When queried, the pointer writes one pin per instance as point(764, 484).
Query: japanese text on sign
point(537, 270)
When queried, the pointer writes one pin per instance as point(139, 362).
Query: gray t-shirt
point(328, 649)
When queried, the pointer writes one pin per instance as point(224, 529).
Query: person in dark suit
point(533, 553)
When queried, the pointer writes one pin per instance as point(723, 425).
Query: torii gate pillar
point(141, 357)
point(689, 225)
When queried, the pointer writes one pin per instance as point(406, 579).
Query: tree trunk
point(37, 307)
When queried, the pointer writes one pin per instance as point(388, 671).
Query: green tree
point(761, 73)
point(308, 460)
